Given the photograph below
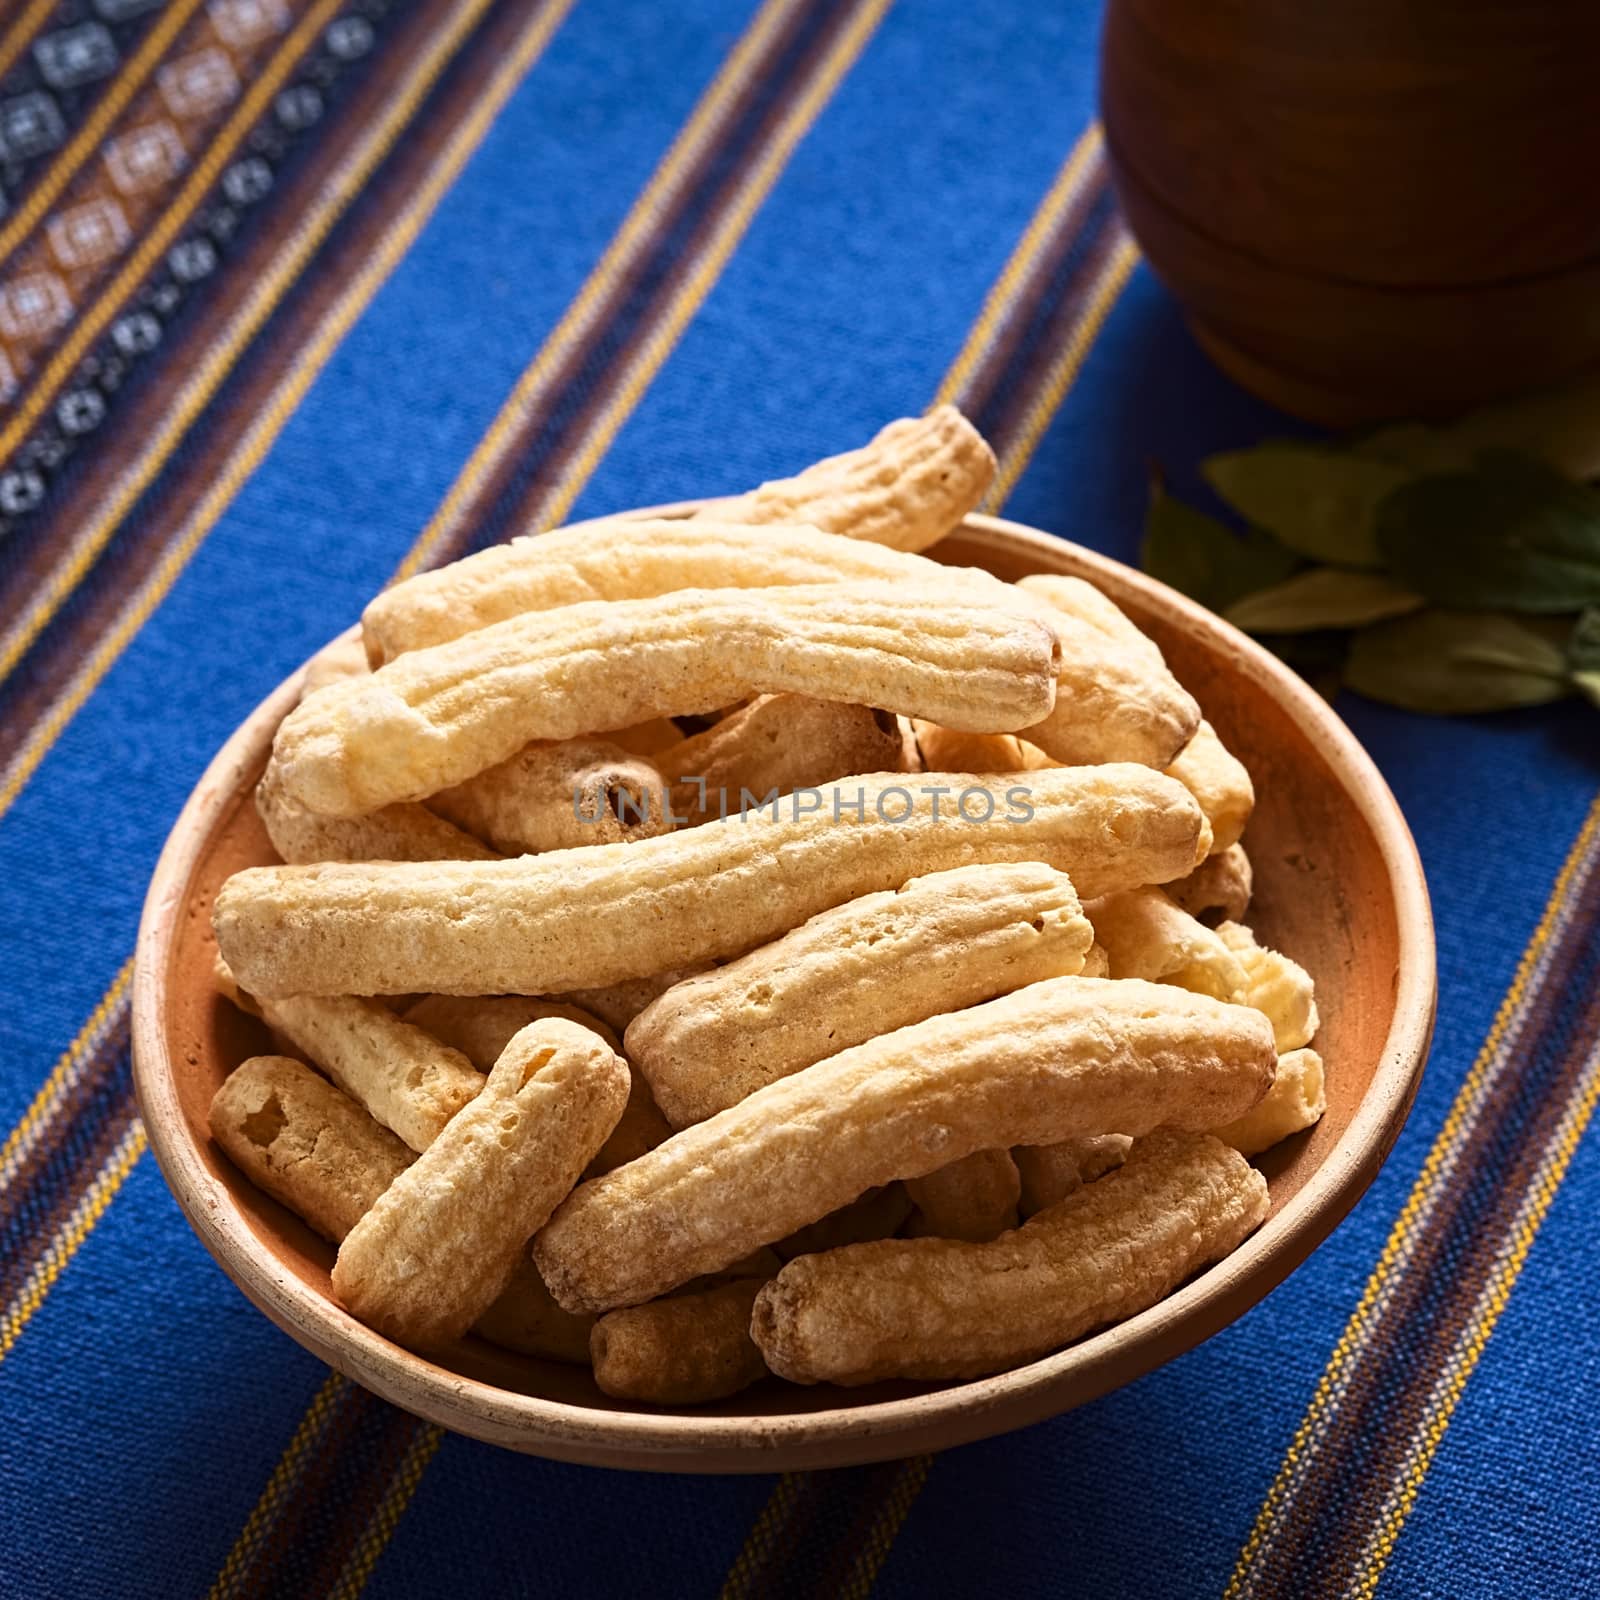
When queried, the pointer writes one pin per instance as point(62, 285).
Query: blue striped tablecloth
point(294, 293)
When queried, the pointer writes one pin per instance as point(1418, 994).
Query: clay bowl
point(1339, 886)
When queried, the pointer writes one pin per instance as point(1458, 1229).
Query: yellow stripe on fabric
point(87, 140)
point(70, 1236)
point(758, 1542)
point(37, 1118)
point(908, 1481)
point(155, 243)
point(375, 1538)
point(731, 229)
point(278, 1486)
point(1064, 369)
point(1431, 1428)
point(19, 38)
point(1357, 1332)
point(997, 305)
point(281, 276)
point(581, 315)
point(270, 421)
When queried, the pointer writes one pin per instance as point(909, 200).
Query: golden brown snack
point(647, 739)
point(1276, 986)
point(935, 1308)
point(346, 657)
point(877, 1214)
point(935, 944)
point(400, 1074)
point(1116, 699)
point(311, 1147)
point(558, 796)
point(948, 750)
point(1218, 890)
point(1146, 936)
point(1296, 1100)
point(617, 1004)
point(680, 1351)
point(974, 1198)
point(406, 832)
point(480, 1027)
point(1069, 1056)
point(623, 558)
point(308, 1145)
point(443, 1240)
point(526, 1319)
point(1218, 780)
point(574, 919)
point(1050, 1172)
point(907, 488)
point(433, 718)
point(1096, 963)
point(776, 744)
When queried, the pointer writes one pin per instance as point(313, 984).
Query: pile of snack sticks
point(739, 944)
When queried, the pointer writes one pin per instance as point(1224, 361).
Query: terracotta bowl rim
point(878, 1429)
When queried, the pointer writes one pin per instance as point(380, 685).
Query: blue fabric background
point(146, 1403)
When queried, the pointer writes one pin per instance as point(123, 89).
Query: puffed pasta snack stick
point(684, 1350)
point(1050, 1172)
point(975, 1198)
point(774, 745)
point(1219, 781)
point(1218, 890)
point(907, 488)
point(1276, 986)
point(315, 1151)
point(435, 717)
point(480, 1027)
point(1069, 1056)
point(1296, 1100)
point(443, 1241)
point(1146, 936)
point(936, 943)
point(402, 1075)
point(938, 1309)
point(582, 918)
point(560, 795)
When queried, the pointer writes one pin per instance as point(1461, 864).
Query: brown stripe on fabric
point(1002, 353)
point(142, 540)
point(583, 384)
point(1322, 1532)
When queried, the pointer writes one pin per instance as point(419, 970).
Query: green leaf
point(1318, 501)
point(1583, 648)
point(1512, 534)
point(1459, 661)
point(1323, 597)
point(1560, 427)
point(1206, 559)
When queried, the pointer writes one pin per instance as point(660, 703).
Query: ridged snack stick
point(445, 1238)
point(937, 943)
point(974, 1198)
point(402, 832)
point(1070, 1056)
point(433, 718)
point(580, 919)
point(1219, 781)
point(908, 487)
point(1296, 1100)
point(1050, 1172)
point(936, 1309)
point(1145, 935)
point(1218, 890)
point(684, 1350)
point(558, 796)
point(1279, 988)
point(776, 744)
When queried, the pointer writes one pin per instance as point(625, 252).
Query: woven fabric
point(297, 293)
